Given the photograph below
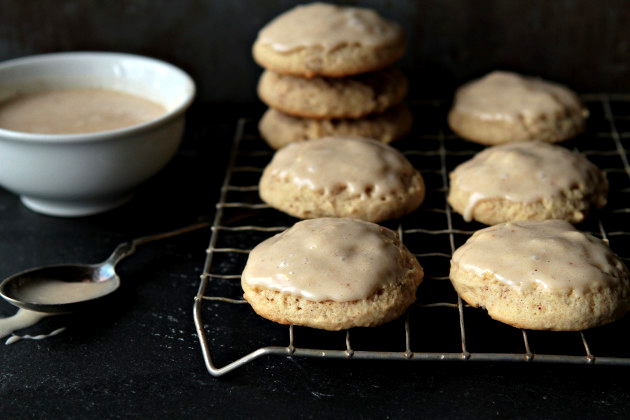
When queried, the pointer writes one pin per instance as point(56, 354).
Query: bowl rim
point(98, 135)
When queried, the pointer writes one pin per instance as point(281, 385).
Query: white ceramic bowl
point(82, 174)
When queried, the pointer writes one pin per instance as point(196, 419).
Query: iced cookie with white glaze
point(342, 177)
point(542, 276)
point(526, 181)
point(332, 274)
point(503, 107)
point(279, 129)
point(321, 39)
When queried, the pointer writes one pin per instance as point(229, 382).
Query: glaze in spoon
point(72, 287)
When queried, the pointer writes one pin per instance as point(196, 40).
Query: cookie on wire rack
point(342, 177)
point(542, 275)
point(527, 181)
point(503, 107)
point(332, 274)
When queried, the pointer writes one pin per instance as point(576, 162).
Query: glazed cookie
point(342, 177)
point(542, 276)
point(326, 97)
point(526, 181)
point(333, 274)
point(279, 129)
point(504, 107)
point(320, 39)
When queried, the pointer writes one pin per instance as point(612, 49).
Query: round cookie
point(342, 177)
point(326, 97)
point(320, 39)
point(502, 107)
point(542, 276)
point(333, 274)
point(526, 181)
point(279, 129)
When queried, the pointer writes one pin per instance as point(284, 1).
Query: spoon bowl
point(42, 290)
point(73, 287)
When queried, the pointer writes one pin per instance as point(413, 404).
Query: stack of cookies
point(328, 74)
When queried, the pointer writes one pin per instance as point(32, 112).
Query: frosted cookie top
point(322, 259)
point(328, 26)
point(354, 165)
point(527, 172)
point(552, 254)
point(511, 97)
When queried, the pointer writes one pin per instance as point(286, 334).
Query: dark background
point(583, 43)
point(138, 356)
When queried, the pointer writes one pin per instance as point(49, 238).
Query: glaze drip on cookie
point(550, 254)
point(327, 259)
point(329, 27)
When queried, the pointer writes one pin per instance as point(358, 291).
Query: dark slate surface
point(585, 44)
point(137, 354)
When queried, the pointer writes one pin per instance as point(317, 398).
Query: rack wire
point(439, 326)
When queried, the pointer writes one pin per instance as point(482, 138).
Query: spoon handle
point(123, 250)
point(150, 238)
point(127, 248)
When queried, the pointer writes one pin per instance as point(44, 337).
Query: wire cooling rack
point(439, 326)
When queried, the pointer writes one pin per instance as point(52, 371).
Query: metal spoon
point(96, 280)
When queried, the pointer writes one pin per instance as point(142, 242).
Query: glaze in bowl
point(82, 174)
